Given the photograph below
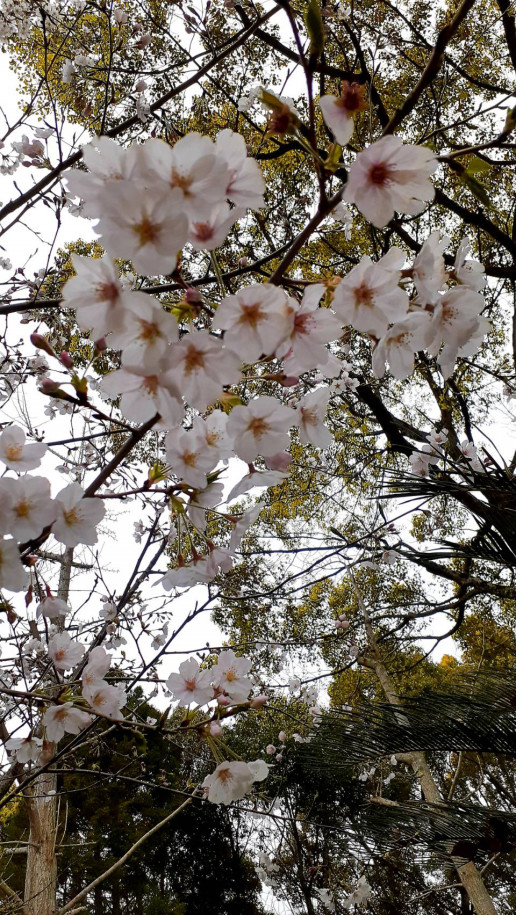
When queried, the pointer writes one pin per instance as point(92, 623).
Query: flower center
point(183, 182)
point(151, 384)
point(190, 685)
point(148, 331)
point(23, 509)
point(146, 231)
point(107, 292)
point(379, 174)
point(71, 516)
point(258, 426)
point(224, 775)
point(14, 452)
point(194, 359)
point(363, 296)
point(204, 231)
point(252, 314)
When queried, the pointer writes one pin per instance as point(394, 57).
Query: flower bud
point(66, 360)
point(48, 386)
point(215, 729)
point(259, 701)
point(280, 461)
point(223, 700)
point(41, 342)
point(270, 749)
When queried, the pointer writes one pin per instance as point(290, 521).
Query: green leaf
point(477, 166)
point(314, 27)
point(476, 188)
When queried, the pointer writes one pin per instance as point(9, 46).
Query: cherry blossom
point(97, 295)
point(104, 699)
point(245, 185)
point(191, 169)
point(25, 506)
point(255, 320)
point(455, 321)
point(243, 524)
point(338, 111)
point(53, 608)
point(201, 501)
point(189, 458)
point(229, 675)
point(25, 749)
point(145, 394)
point(304, 348)
point(398, 345)
point(99, 662)
point(146, 332)
point(428, 271)
point(311, 413)
point(467, 271)
point(211, 231)
point(105, 160)
point(16, 454)
point(202, 366)
point(231, 781)
point(149, 228)
point(369, 297)
point(64, 652)
point(390, 176)
point(191, 684)
point(77, 518)
point(59, 720)
point(12, 573)
point(260, 428)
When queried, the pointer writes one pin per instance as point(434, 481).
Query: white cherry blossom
point(191, 684)
point(211, 231)
point(189, 458)
point(25, 749)
point(12, 573)
point(255, 320)
point(146, 333)
point(229, 675)
point(145, 225)
point(428, 271)
point(18, 455)
point(245, 185)
point(261, 427)
point(59, 720)
point(231, 781)
point(398, 345)
point(311, 413)
point(146, 391)
point(64, 651)
point(77, 518)
point(53, 608)
point(312, 327)
point(97, 294)
point(469, 272)
point(202, 366)
point(390, 176)
point(369, 297)
point(25, 506)
point(104, 698)
point(99, 662)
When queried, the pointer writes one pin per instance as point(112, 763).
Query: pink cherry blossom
point(77, 518)
point(97, 295)
point(304, 349)
point(261, 427)
point(146, 332)
point(99, 662)
point(231, 781)
point(59, 720)
point(211, 231)
point(16, 454)
point(25, 506)
point(191, 684)
point(104, 699)
point(398, 345)
point(25, 749)
point(64, 651)
point(255, 320)
point(369, 297)
point(428, 271)
point(390, 176)
point(311, 413)
point(53, 608)
point(189, 458)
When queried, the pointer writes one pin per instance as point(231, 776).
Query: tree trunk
point(41, 875)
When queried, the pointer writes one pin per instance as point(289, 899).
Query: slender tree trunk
point(41, 873)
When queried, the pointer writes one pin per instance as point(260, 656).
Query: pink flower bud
point(280, 461)
point(141, 86)
point(270, 749)
point(193, 296)
point(66, 360)
point(259, 701)
point(215, 729)
point(223, 700)
point(48, 386)
point(279, 756)
point(100, 345)
point(282, 737)
point(41, 342)
point(143, 41)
